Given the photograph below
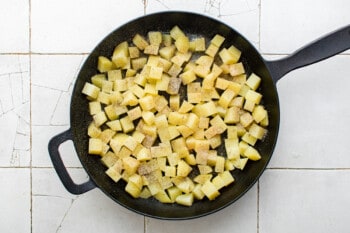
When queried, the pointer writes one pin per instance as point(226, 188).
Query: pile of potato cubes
point(161, 106)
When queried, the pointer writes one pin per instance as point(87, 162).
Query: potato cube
point(95, 146)
point(151, 89)
point(257, 131)
point(202, 178)
point(197, 192)
point(94, 107)
point(237, 69)
point(130, 165)
point(174, 70)
point(127, 124)
point(204, 169)
point(253, 81)
point(218, 182)
point(163, 83)
point(113, 174)
point(133, 189)
point(265, 121)
point(170, 171)
point(183, 169)
point(99, 119)
point(236, 53)
point(232, 149)
point(232, 115)
point(249, 105)
point(227, 57)
point(174, 102)
point(210, 190)
point(138, 63)
point(91, 90)
point(226, 98)
point(147, 103)
point(144, 154)
point(252, 154)
point(182, 44)
point(227, 178)
point(104, 64)
point(220, 164)
point(199, 44)
point(167, 52)
point(259, 113)
point(174, 86)
point(212, 50)
point(155, 37)
point(205, 110)
point(176, 32)
point(188, 77)
point(201, 71)
point(204, 60)
point(185, 199)
point(97, 79)
point(93, 130)
point(163, 197)
point(185, 184)
point(217, 40)
point(246, 119)
point(140, 42)
point(151, 49)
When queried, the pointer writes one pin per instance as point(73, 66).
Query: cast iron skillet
point(194, 24)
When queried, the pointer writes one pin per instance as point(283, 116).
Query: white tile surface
point(314, 115)
point(304, 201)
point(90, 212)
point(42, 47)
point(241, 15)
point(15, 200)
point(14, 26)
point(14, 110)
point(288, 25)
point(75, 26)
point(241, 216)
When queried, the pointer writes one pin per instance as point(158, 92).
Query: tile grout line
point(30, 114)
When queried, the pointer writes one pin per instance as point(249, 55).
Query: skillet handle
point(318, 50)
point(60, 168)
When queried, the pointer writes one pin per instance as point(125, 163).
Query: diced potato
point(252, 154)
point(212, 50)
point(166, 39)
point(113, 174)
point(197, 192)
point(253, 81)
point(185, 199)
point(176, 32)
point(151, 49)
point(188, 77)
point(174, 86)
point(91, 90)
point(167, 52)
point(163, 197)
point(183, 169)
point(199, 44)
point(246, 119)
point(174, 192)
point(95, 146)
point(155, 38)
point(217, 40)
point(236, 69)
point(259, 113)
point(104, 64)
point(140, 42)
point(182, 44)
point(210, 190)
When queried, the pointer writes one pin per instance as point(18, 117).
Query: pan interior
point(195, 25)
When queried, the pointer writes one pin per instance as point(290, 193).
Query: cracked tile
point(14, 110)
point(83, 25)
point(101, 214)
point(242, 15)
point(15, 27)
point(40, 139)
point(15, 200)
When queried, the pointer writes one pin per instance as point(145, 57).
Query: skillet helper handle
point(60, 168)
point(318, 50)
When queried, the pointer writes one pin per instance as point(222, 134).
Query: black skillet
point(194, 24)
